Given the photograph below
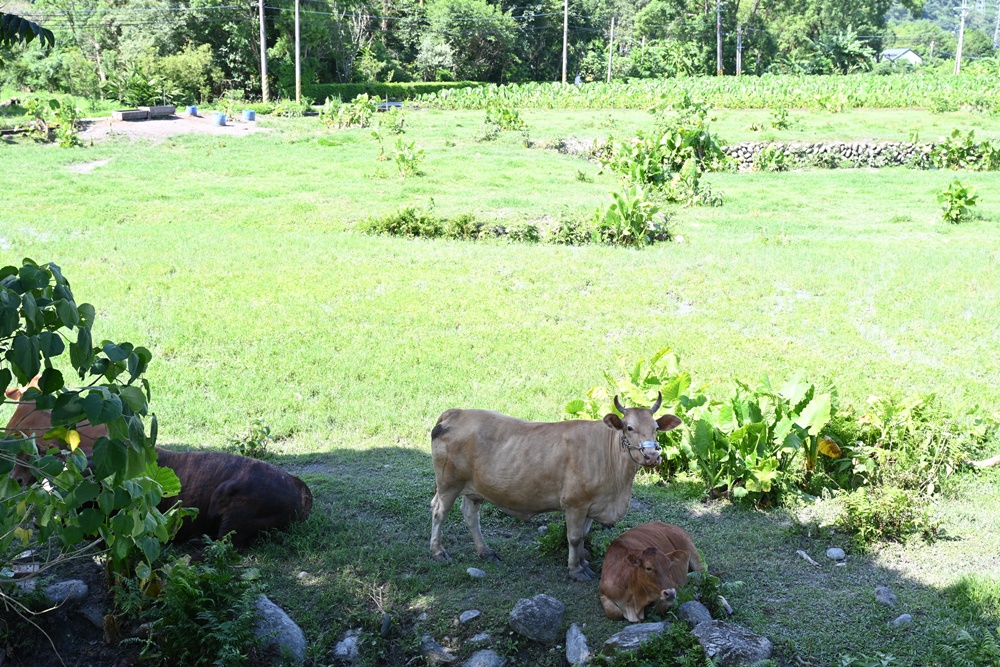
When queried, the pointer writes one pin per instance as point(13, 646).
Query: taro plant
point(407, 158)
point(504, 116)
point(75, 507)
point(956, 202)
point(631, 219)
point(770, 158)
point(357, 113)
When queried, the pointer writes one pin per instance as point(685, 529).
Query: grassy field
point(236, 261)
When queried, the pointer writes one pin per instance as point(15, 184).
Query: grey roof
point(893, 54)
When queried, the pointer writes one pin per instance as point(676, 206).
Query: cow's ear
point(14, 393)
point(614, 421)
point(679, 557)
point(667, 422)
point(632, 560)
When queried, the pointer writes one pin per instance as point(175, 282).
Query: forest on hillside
point(193, 50)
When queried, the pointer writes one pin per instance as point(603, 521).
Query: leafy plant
point(381, 157)
point(205, 611)
point(878, 514)
point(956, 202)
point(676, 646)
point(504, 116)
point(631, 219)
point(464, 226)
point(781, 119)
point(967, 651)
point(770, 158)
point(394, 121)
point(570, 231)
point(255, 442)
point(76, 507)
point(879, 660)
point(409, 221)
point(357, 113)
point(407, 158)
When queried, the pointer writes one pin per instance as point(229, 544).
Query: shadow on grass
point(363, 557)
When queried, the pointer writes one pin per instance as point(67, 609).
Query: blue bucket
point(220, 118)
point(249, 114)
point(192, 111)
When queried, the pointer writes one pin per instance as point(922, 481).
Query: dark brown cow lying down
point(231, 493)
point(646, 564)
point(584, 468)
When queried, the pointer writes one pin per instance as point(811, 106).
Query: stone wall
point(836, 154)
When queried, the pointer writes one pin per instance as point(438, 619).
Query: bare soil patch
point(160, 128)
point(87, 167)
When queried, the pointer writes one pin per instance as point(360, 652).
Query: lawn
point(237, 262)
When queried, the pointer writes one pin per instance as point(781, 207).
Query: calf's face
point(655, 577)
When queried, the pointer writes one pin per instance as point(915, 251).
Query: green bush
point(676, 646)
point(192, 73)
point(956, 202)
point(381, 91)
point(880, 514)
point(205, 613)
point(771, 158)
point(409, 221)
point(254, 443)
point(631, 219)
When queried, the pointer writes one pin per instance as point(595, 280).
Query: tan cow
point(231, 493)
point(646, 564)
point(29, 422)
point(584, 468)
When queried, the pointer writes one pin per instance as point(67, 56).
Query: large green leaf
point(110, 458)
point(815, 415)
point(14, 29)
point(23, 356)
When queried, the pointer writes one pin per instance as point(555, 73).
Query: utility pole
point(611, 47)
point(961, 36)
point(739, 50)
point(263, 54)
point(298, 58)
point(931, 55)
point(718, 37)
point(565, 36)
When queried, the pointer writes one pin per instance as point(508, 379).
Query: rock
point(386, 624)
point(435, 653)
point(469, 615)
point(476, 573)
point(543, 530)
point(905, 619)
point(479, 638)
point(279, 633)
point(71, 590)
point(729, 644)
point(538, 619)
point(630, 638)
point(833, 553)
point(485, 658)
point(95, 614)
point(886, 596)
point(346, 650)
point(577, 651)
point(694, 613)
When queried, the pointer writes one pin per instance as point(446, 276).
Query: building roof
point(896, 54)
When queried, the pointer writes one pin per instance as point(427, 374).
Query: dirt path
point(98, 129)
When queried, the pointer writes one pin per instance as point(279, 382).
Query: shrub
point(676, 646)
point(956, 202)
point(967, 651)
point(524, 233)
point(631, 219)
point(204, 614)
point(408, 221)
point(771, 158)
point(357, 113)
point(254, 443)
point(407, 158)
point(878, 514)
point(464, 226)
point(504, 116)
point(570, 231)
point(191, 72)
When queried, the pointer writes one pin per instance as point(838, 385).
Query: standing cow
point(584, 468)
point(646, 564)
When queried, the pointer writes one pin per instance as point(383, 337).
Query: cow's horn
point(659, 402)
point(619, 405)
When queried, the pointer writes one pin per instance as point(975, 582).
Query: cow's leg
point(440, 506)
point(584, 552)
point(470, 510)
point(611, 610)
point(576, 521)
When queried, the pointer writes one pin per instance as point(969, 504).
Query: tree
point(76, 508)
point(17, 30)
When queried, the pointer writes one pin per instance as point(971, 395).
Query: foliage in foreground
point(674, 647)
point(885, 514)
point(76, 508)
point(760, 443)
point(957, 201)
point(202, 612)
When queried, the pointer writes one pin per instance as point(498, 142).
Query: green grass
point(236, 261)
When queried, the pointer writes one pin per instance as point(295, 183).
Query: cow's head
point(639, 429)
point(653, 577)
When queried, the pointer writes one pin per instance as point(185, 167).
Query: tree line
point(191, 50)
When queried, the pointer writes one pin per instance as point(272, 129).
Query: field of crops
point(829, 93)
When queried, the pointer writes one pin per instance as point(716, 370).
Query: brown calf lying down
point(646, 564)
point(231, 493)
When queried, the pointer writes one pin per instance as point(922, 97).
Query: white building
point(906, 55)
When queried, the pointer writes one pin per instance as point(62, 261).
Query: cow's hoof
point(490, 556)
point(580, 575)
point(589, 571)
point(442, 557)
